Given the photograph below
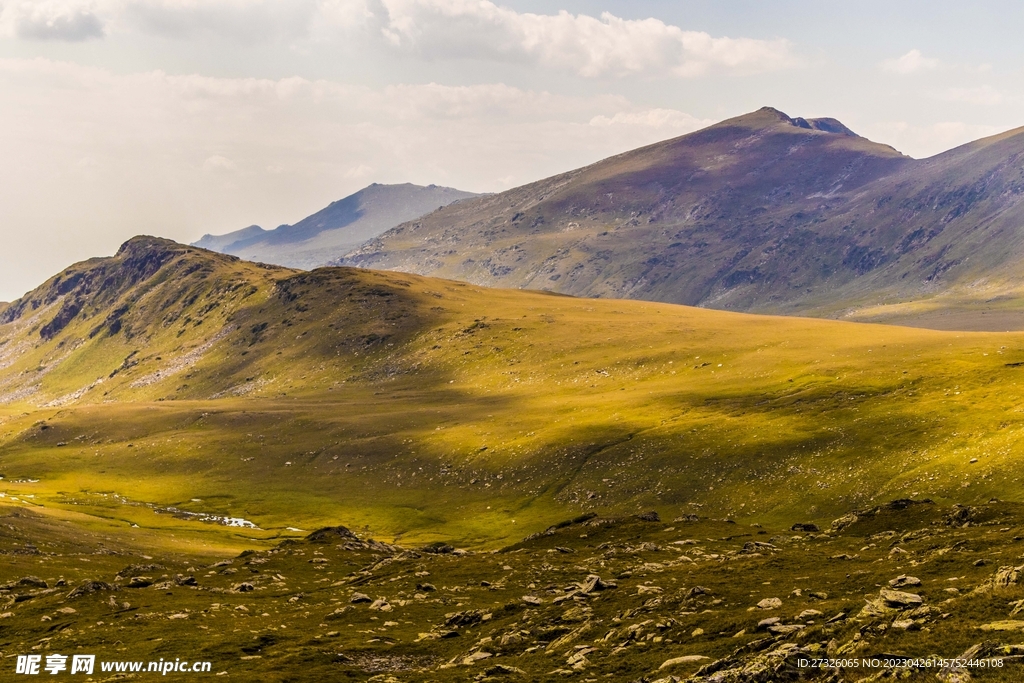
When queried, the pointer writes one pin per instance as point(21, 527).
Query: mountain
point(336, 229)
point(760, 213)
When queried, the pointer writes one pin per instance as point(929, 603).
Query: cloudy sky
point(182, 117)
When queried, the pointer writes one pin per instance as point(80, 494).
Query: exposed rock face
point(1004, 578)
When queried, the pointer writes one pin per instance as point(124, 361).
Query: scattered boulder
point(876, 608)
point(902, 581)
point(849, 519)
point(900, 599)
point(1002, 579)
point(593, 583)
point(778, 664)
point(575, 615)
point(381, 605)
point(138, 570)
point(33, 581)
point(87, 587)
point(140, 582)
point(756, 547)
point(330, 534)
point(1007, 576)
point(843, 522)
point(476, 657)
point(463, 619)
point(581, 519)
point(439, 548)
point(685, 659)
point(1006, 625)
point(503, 670)
point(960, 516)
point(770, 603)
point(764, 624)
point(360, 597)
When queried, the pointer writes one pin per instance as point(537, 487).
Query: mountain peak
point(141, 244)
point(336, 229)
point(716, 217)
point(770, 116)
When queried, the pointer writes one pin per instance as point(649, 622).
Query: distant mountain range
point(761, 213)
point(331, 232)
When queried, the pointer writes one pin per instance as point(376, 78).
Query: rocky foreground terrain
point(636, 599)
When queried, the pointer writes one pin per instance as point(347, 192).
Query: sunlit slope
point(424, 408)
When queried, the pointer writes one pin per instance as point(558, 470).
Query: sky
point(184, 117)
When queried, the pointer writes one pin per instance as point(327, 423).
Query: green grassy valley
point(425, 407)
point(176, 407)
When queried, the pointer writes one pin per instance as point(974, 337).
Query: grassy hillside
point(420, 409)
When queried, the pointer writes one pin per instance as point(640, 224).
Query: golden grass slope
point(416, 408)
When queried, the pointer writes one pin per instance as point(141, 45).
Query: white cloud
point(653, 118)
point(432, 29)
point(910, 63)
point(586, 45)
point(218, 163)
point(984, 95)
point(66, 20)
point(922, 141)
point(358, 172)
point(182, 155)
point(242, 20)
